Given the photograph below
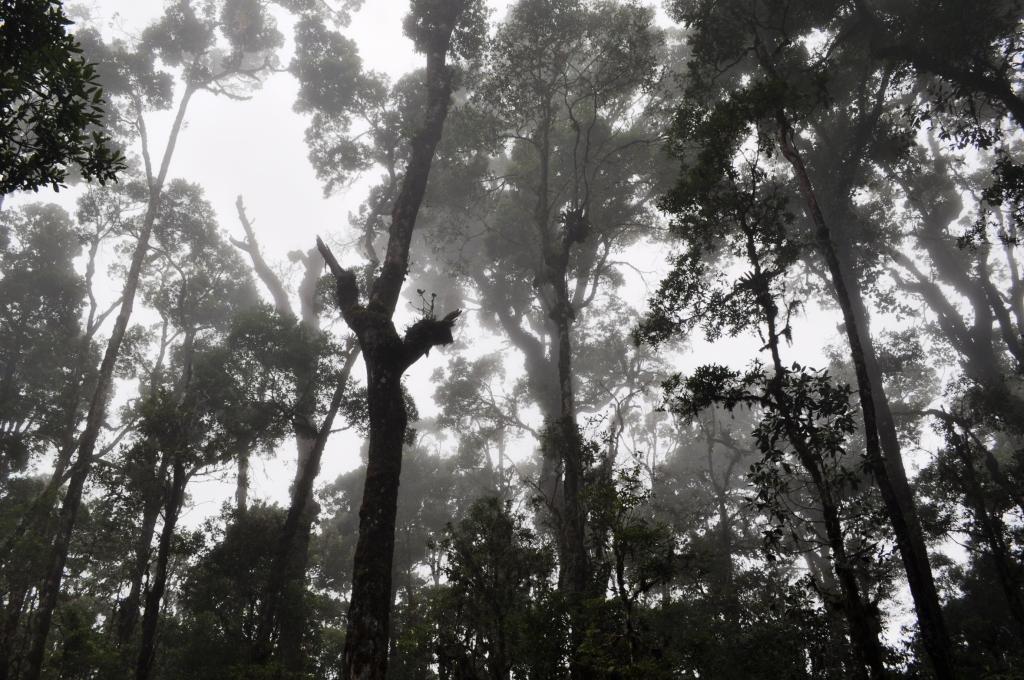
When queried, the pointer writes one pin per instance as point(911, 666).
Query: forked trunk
point(387, 355)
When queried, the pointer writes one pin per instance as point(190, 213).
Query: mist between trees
point(664, 342)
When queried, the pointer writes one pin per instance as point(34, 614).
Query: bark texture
point(387, 355)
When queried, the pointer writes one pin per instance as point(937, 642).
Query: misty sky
point(256, 149)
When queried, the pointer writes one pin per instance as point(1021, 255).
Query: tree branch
point(281, 302)
point(346, 288)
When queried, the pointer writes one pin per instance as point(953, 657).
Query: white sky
point(256, 148)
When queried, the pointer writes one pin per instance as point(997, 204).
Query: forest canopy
point(507, 339)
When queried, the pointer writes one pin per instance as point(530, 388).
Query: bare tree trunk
point(128, 615)
point(284, 610)
point(97, 411)
point(882, 443)
point(154, 598)
point(366, 648)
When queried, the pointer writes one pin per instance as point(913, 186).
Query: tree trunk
point(128, 615)
point(867, 648)
point(154, 598)
point(366, 644)
point(284, 610)
point(242, 484)
point(569, 438)
point(575, 560)
point(97, 412)
point(882, 443)
point(387, 355)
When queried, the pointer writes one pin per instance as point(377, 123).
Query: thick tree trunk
point(387, 355)
point(366, 645)
point(154, 598)
point(882, 443)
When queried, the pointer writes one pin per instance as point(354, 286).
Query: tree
point(432, 26)
point(282, 614)
point(51, 106)
point(497, 590)
point(744, 214)
point(182, 39)
point(786, 90)
point(558, 175)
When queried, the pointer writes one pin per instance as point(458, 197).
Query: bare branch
point(281, 302)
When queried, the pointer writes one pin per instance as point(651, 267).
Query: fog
point(529, 339)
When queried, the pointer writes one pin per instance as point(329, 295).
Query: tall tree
point(188, 40)
point(784, 88)
point(432, 26)
point(282, 615)
point(560, 143)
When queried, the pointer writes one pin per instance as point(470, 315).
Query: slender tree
point(778, 71)
point(203, 68)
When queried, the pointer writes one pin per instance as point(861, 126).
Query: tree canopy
point(641, 342)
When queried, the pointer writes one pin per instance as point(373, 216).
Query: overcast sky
point(256, 149)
